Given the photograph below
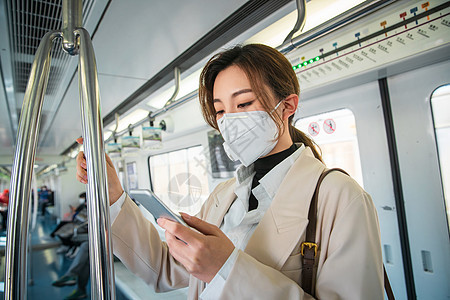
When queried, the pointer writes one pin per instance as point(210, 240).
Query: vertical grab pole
point(27, 137)
point(76, 40)
point(100, 247)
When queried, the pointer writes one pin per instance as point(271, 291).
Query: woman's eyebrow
point(243, 91)
point(235, 94)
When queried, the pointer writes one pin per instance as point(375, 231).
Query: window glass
point(440, 105)
point(118, 165)
point(160, 173)
point(180, 179)
point(198, 179)
point(178, 167)
point(335, 133)
point(132, 175)
point(221, 165)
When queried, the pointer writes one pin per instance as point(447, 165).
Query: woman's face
point(232, 93)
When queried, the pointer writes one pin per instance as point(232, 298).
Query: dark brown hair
point(271, 77)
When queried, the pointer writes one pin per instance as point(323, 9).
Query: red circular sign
point(313, 129)
point(329, 126)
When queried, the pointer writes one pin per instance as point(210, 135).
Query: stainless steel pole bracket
point(72, 19)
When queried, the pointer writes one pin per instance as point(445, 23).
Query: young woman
point(248, 233)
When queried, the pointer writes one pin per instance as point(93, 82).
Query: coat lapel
point(287, 217)
point(222, 202)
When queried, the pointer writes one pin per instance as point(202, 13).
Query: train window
point(335, 133)
point(221, 165)
point(118, 165)
point(440, 106)
point(132, 176)
point(180, 179)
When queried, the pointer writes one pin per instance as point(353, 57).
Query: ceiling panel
point(138, 38)
point(113, 89)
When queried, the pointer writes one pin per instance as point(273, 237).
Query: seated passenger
point(65, 230)
point(4, 201)
point(74, 212)
point(249, 234)
point(45, 196)
point(78, 273)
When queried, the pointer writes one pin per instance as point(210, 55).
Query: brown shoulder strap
point(309, 247)
point(387, 286)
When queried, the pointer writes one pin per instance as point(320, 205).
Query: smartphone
point(155, 206)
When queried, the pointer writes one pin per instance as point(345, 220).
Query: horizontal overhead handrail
point(334, 24)
point(156, 113)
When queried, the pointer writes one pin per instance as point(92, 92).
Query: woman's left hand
point(202, 253)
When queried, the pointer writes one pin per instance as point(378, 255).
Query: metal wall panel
point(422, 187)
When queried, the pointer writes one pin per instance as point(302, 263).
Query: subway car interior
point(374, 82)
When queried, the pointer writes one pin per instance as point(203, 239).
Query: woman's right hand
point(114, 187)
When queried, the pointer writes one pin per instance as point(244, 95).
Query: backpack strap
point(309, 248)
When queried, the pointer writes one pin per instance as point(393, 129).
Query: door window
point(335, 133)
point(440, 106)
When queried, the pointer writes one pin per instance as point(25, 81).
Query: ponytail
point(298, 136)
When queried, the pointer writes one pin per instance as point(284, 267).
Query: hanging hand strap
point(309, 248)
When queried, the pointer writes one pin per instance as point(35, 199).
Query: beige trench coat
point(350, 260)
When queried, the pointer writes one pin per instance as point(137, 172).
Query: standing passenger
point(249, 232)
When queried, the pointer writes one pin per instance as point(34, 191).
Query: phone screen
point(155, 206)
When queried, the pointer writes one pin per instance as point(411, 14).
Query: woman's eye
point(220, 112)
point(245, 104)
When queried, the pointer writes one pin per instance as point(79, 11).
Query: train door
point(420, 167)
point(363, 103)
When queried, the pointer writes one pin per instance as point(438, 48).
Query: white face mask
point(248, 135)
point(81, 200)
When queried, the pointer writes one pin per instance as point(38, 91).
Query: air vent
point(30, 20)
point(25, 68)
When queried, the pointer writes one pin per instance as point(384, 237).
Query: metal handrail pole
point(177, 75)
point(27, 137)
point(100, 246)
point(301, 20)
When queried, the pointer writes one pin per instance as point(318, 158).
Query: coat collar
point(286, 219)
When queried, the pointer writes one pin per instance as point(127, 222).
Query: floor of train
point(47, 266)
